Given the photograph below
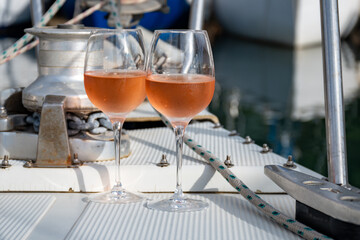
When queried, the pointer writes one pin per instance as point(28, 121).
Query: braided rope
point(274, 214)
point(115, 13)
point(88, 12)
point(27, 37)
point(7, 57)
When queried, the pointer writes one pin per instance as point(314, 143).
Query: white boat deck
point(67, 215)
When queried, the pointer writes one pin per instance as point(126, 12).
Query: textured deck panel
point(20, 213)
point(228, 217)
point(151, 142)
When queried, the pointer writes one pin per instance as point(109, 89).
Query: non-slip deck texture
point(152, 143)
point(228, 217)
point(20, 213)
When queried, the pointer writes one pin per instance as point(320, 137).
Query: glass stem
point(179, 137)
point(117, 126)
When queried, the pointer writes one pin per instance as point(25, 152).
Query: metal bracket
point(327, 197)
point(53, 149)
point(327, 207)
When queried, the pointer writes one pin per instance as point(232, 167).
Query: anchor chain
point(96, 123)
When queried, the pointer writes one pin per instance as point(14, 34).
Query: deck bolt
point(5, 162)
point(217, 125)
point(290, 163)
point(29, 164)
point(228, 163)
point(3, 112)
point(248, 140)
point(233, 133)
point(76, 160)
point(163, 162)
point(266, 148)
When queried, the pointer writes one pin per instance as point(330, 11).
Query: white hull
point(289, 22)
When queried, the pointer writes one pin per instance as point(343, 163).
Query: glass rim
point(179, 31)
point(112, 31)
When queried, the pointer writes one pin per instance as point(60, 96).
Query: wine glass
point(180, 84)
point(114, 80)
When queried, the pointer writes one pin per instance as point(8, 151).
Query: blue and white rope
point(115, 13)
point(28, 37)
point(274, 214)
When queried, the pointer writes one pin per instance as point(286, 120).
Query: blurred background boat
point(288, 22)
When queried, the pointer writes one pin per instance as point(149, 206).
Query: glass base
point(183, 205)
point(118, 196)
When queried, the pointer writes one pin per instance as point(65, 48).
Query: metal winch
point(61, 61)
point(59, 100)
point(130, 11)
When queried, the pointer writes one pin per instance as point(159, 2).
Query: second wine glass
point(180, 84)
point(114, 80)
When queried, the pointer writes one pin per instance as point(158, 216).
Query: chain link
point(96, 123)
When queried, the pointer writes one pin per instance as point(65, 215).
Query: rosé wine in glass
point(180, 96)
point(114, 79)
point(115, 92)
point(180, 84)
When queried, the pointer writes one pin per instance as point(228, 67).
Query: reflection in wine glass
point(180, 84)
point(114, 81)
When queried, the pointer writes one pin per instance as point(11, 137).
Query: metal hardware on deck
point(196, 20)
point(76, 160)
point(325, 206)
point(61, 68)
point(266, 148)
point(130, 14)
point(248, 140)
point(87, 145)
point(326, 197)
point(53, 144)
point(5, 162)
point(334, 104)
point(3, 112)
point(29, 164)
point(11, 122)
point(163, 162)
point(6, 123)
point(290, 163)
point(217, 125)
point(233, 133)
point(228, 163)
